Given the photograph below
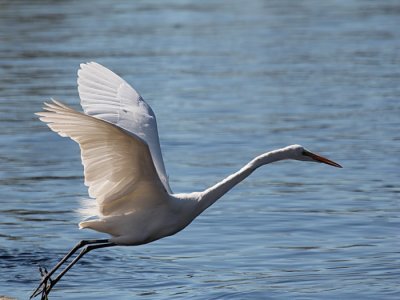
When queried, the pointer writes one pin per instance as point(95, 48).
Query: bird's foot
point(43, 271)
point(45, 292)
point(44, 286)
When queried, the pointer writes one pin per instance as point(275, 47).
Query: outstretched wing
point(107, 96)
point(118, 166)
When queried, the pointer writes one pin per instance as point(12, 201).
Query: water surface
point(227, 81)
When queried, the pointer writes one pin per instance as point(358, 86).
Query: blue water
point(228, 80)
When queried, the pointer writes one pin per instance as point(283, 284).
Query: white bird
point(124, 169)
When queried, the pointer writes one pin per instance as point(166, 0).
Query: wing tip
point(86, 66)
point(90, 64)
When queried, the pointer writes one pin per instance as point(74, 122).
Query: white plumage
point(107, 96)
point(124, 169)
point(117, 164)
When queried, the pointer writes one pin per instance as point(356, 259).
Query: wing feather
point(107, 96)
point(117, 164)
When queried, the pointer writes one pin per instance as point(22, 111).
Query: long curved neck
point(212, 194)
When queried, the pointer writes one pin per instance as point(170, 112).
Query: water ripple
point(227, 81)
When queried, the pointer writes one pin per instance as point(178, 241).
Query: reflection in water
point(227, 81)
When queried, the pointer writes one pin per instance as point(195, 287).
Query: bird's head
point(298, 152)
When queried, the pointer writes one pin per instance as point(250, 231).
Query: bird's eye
point(305, 152)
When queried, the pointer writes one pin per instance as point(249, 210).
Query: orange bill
point(321, 159)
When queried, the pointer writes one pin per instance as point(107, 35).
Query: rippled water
point(228, 80)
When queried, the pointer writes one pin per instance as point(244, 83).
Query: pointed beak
point(321, 159)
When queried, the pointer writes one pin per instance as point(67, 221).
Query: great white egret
point(124, 169)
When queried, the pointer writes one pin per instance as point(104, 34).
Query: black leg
point(76, 259)
point(43, 272)
point(64, 259)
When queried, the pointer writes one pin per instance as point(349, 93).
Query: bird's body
point(148, 224)
point(124, 169)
